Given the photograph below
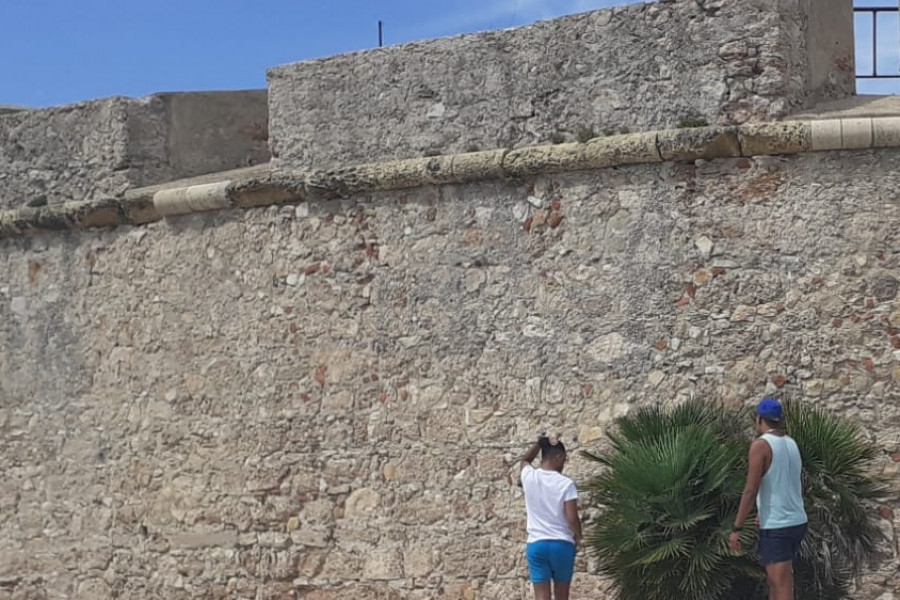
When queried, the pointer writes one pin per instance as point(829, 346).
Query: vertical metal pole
point(874, 43)
point(380, 34)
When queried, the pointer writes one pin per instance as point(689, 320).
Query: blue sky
point(888, 50)
point(62, 51)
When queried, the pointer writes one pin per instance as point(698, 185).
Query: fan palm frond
point(670, 484)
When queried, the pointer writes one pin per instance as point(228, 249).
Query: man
point(774, 483)
point(554, 529)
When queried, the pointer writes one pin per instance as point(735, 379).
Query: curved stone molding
point(278, 187)
point(698, 142)
point(826, 135)
point(598, 153)
point(69, 215)
point(195, 198)
point(886, 132)
point(768, 139)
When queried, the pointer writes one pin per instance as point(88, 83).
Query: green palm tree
point(670, 485)
point(668, 492)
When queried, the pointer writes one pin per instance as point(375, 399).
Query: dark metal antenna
point(380, 34)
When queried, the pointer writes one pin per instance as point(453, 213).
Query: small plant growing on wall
point(692, 120)
point(557, 137)
point(584, 133)
point(615, 131)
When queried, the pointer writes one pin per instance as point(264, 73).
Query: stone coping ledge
point(254, 188)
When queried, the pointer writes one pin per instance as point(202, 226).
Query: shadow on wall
point(215, 131)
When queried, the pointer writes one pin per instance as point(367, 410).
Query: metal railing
point(875, 12)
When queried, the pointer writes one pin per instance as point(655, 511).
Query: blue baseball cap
point(769, 408)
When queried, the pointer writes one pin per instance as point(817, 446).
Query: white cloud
point(532, 10)
point(474, 16)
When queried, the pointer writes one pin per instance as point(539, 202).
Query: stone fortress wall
point(99, 149)
point(633, 68)
point(313, 383)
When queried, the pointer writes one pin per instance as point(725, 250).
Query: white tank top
point(779, 501)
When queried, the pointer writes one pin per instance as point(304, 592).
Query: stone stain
point(34, 269)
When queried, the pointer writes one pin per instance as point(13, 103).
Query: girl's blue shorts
point(551, 559)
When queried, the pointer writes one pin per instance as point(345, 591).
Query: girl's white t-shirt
point(546, 493)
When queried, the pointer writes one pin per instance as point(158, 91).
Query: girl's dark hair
point(549, 450)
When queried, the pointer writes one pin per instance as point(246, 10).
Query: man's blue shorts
point(551, 559)
point(780, 545)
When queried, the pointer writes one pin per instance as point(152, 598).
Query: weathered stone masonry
point(636, 68)
point(99, 149)
point(313, 383)
point(288, 398)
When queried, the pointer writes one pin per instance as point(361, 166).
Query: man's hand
point(734, 541)
point(578, 542)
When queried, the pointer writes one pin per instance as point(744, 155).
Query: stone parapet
point(93, 150)
point(641, 67)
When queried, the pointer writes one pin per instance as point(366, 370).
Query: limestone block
point(763, 139)
point(268, 189)
point(704, 245)
point(92, 588)
point(535, 160)
point(886, 132)
point(383, 564)
point(418, 561)
point(594, 154)
point(313, 538)
point(588, 434)
point(856, 133)
point(477, 166)
point(698, 142)
point(608, 348)
point(654, 378)
point(188, 541)
point(195, 198)
point(361, 503)
point(826, 135)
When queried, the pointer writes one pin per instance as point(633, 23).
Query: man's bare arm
point(755, 472)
